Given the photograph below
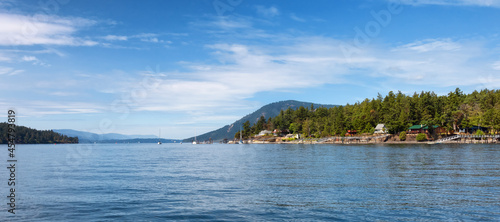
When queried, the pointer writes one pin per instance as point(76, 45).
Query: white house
point(264, 132)
point(380, 128)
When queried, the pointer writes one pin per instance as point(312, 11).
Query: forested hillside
point(269, 110)
point(396, 110)
point(25, 135)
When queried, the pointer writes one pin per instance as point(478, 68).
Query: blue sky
point(189, 67)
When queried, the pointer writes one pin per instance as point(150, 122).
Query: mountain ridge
point(269, 110)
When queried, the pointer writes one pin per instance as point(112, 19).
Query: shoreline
point(389, 139)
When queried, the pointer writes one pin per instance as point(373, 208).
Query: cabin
point(380, 129)
point(296, 136)
point(351, 133)
point(278, 132)
point(415, 129)
point(265, 132)
point(473, 129)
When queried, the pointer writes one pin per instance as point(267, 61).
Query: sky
point(189, 67)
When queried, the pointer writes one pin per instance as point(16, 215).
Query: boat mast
point(159, 136)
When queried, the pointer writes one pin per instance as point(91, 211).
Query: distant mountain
point(86, 137)
point(269, 110)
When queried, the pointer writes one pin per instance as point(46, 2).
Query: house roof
point(416, 127)
point(266, 131)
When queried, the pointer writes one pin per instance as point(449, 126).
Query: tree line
point(25, 135)
point(397, 111)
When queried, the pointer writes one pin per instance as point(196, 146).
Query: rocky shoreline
point(388, 139)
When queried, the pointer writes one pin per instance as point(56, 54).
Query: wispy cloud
point(39, 29)
point(296, 18)
point(34, 60)
point(496, 65)
point(241, 69)
point(4, 58)
point(115, 38)
point(267, 11)
point(245, 70)
point(143, 37)
point(41, 108)
point(431, 45)
point(9, 71)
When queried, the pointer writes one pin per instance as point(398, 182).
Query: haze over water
point(148, 182)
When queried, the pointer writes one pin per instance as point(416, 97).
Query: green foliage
point(402, 136)
point(293, 128)
point(480, 133)
point(25, 135)
point(421, 137)
point(246, 129)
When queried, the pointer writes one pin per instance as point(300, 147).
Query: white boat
point(194, 141)
point(159, 137)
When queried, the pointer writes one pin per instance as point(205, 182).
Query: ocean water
point(271, 182)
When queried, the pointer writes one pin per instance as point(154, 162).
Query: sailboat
point(159, 137)
point(194, 141)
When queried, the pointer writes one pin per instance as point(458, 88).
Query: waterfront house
point(415, 129)
point(380, 129)
point(265, 132)
point(351, 133)
point(473, 129)
point(296, 136)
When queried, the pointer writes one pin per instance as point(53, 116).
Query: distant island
point(25, 135)
point(423, 116)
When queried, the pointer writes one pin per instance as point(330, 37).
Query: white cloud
point(42, 30)
point(143, 37)
point(4, 58)
point(296, 18)
point(34, 60)
point(431, 45)
point(9, 71)
point(42, 108)
point(231, 22)
point(267, 11)
point(245, 70)
point(5, 70)
point(29, 58)
point(496, 65)
point(153, 40)
point(483, 3)
point(115, 38)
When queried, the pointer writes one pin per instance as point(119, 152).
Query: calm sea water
point(150, 182)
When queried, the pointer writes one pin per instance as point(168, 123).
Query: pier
point(469, 139)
